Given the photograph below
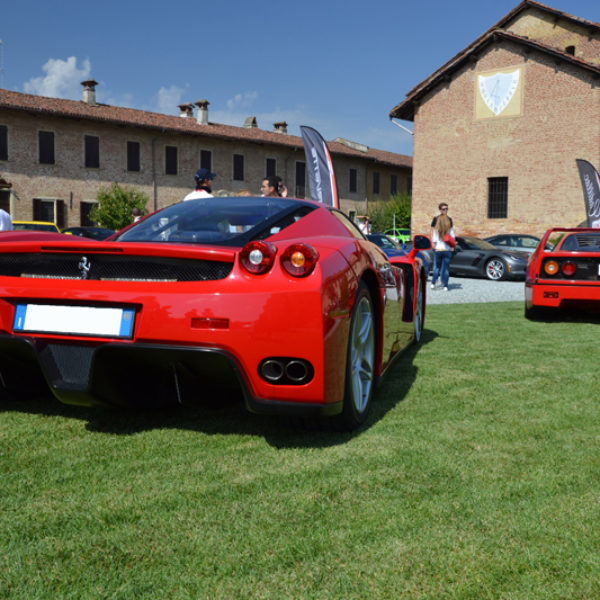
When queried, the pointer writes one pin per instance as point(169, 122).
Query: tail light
point(299, 260)
point(568, 269)
point(258, 257)
point(551, 267)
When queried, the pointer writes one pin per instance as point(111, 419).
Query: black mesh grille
point(111, 267)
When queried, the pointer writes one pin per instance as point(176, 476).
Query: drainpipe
point(154, 184)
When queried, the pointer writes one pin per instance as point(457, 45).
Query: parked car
point(475, 257)
point(94, 233)
point(564, 274)
point(390, 246)
point(514, 241)
point(399, 235)
point(36, 226)
point(393, 249)
point(281, 299)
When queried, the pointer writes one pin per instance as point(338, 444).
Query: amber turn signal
point(551, 267)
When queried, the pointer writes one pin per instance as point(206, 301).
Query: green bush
point(115, 204)
point(382, 215)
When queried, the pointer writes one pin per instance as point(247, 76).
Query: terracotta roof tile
point(74, 109)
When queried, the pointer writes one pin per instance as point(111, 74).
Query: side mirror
point(421, 242)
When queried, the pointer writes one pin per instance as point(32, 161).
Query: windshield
point(384, 242)
point(476, 243)
point(231, 221)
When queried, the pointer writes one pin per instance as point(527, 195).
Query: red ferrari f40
point(564, 272)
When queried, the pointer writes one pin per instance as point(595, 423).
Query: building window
point(238, 167)
point(409, 184)
point(206, 159)
point(52, 211)
point(46, 147)
point(3, 142)
point(84, 216)
point(271, 167)
point(376, 182)
point(92, 151)
point(570, 50)
point(393, 185)
point(133, 156)
point(300, 179)
point(497, 197)
point(352, 183)
point(5, 200)
point(171, 160)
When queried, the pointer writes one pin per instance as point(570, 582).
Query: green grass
point(478, 476)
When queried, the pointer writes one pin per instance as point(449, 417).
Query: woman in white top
point(442, 251)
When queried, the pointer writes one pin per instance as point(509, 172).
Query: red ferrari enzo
point(564, 271)
point(283, 299)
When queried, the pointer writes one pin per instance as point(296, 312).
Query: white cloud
point(62, 79)
point(242, 100)
point(169, 99)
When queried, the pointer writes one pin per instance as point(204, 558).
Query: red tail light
point(568, 269)
point(258, 257)
point(299, 260)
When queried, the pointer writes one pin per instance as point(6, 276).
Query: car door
point(465, 260)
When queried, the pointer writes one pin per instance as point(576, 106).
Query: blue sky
point(337, 66)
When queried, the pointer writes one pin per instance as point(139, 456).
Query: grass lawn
point(478, 476)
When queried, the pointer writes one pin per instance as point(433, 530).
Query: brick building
point(55, 154)
point(497, 128)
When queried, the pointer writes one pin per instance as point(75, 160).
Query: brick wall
point(455, 153)
point(69, 180)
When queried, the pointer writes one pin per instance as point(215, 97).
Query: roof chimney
point(202, 111)
point(89, 91)
point(186, 110)
point(250, 122)
point(280, 127)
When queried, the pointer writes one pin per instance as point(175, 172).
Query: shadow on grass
point(566, 315)
point(228, 415)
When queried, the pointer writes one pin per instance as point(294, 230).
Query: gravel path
point(463, 289)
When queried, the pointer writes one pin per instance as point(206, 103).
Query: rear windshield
point(227, 221)
point(576, 242)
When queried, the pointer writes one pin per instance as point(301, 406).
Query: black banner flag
point(321, 176)
point(591, 191)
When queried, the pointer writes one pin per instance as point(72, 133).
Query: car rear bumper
point(555, 295)
point(139, 376)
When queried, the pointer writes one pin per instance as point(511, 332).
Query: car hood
point(517, 254)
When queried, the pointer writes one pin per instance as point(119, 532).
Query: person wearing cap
point(203, 189)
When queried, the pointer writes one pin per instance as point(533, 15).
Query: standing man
point(270, 186)
point(203, 189)
point(443, 208)
point(5, 222)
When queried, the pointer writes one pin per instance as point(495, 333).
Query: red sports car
point(564, 271)
point(281, 298)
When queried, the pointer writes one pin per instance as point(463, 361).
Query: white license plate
point(74, 320)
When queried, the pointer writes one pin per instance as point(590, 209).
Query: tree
point(115, 204)
point(382, 217)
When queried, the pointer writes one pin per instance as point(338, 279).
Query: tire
point(360, 363)
point(536, 313)
point(496, 269)
point(419, 316)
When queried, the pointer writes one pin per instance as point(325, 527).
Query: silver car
point(514, 241)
